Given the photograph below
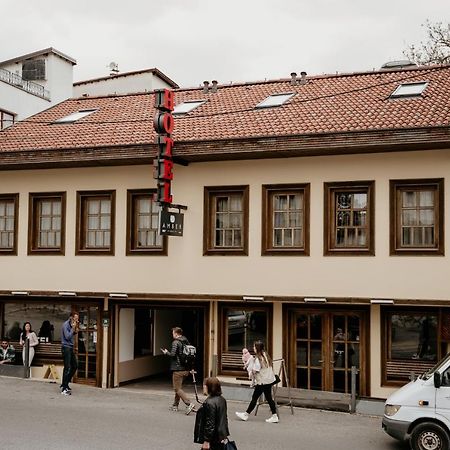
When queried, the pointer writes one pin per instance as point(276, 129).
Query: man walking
point(179, 370)
point(69, 329)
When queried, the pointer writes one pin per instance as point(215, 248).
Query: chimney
point(214, 86)
point(205, 87)
point(303, 78)
point(293, 78)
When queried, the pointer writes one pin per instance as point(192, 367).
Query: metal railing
point(29, 86)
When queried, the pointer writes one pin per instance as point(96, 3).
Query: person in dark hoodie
point(179, 371)
point(68, 331)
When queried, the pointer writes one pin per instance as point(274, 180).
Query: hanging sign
point(170, 223)
point(163, 164)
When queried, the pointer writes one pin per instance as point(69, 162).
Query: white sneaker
point(243, 416)
point(273, 419)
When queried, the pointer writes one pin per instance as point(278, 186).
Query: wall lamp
point(252, 299)
point(377, 301)
point(314, 300)
point(118, 295)
point(67, 294)
point(19, 292)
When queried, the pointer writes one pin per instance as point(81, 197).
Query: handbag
point(277, 380)
point(230, 445)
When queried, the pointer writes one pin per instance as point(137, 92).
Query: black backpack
point(187, 355)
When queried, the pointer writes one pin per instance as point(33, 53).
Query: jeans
point(265, 389)
point(70, 366)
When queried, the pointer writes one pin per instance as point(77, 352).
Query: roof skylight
point(75, 116)
point(187, 107)
point(275, 100)
point(409, 90)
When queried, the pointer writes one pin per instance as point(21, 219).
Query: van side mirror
point(437, 380)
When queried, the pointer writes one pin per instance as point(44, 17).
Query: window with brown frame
point(225, 229)
point(417, 217)
point(6, 119)
point(9, 212)
point(95, 222)
point(285, 219)
point(349, 217)
point(142, 230)
point(241, 327)
point(46, 223)
point(413, 342)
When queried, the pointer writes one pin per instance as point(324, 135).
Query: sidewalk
point(124, 418)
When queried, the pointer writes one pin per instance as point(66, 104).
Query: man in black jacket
point(179, 371)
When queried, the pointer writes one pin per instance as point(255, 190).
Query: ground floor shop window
point(412, 343)
point(241, 327)
point(46, 320)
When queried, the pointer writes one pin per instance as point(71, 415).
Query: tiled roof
point(325, 104)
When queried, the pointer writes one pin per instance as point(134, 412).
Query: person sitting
point(7, 352)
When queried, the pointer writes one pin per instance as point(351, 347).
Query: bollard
point(26, 363)
point(353, 390)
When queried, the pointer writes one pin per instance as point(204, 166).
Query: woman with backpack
point(264, 379)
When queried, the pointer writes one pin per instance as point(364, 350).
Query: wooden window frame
point(80, 248)
point(267, 248)
point(33, 227)
point(223, 307)
point(385, 324)
point(131, 248)
point(329, 249)
point(15, 198)
point(210, 193)
point(395, 247)
point(2, 119)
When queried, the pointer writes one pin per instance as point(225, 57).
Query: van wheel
point(429, 436)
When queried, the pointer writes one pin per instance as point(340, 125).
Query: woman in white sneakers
point(264, 380)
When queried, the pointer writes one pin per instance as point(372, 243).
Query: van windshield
point(436, 368)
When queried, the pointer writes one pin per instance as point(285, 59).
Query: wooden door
point(325, 345)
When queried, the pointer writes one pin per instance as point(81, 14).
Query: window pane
point(222, 204)
point(236, 220)
point(426, 217)
point(429, 236)
point(219, 242)
point(236, 203)
point(10, 209)
point(360, 201)
point(280, 202)
point(56, 208)
point(228, 238)
point(93, 223)
point(8, 225)
point(409, 217)
point(343, 201)
point(237, 238)
point(280, 220)
point(105, 223)
point(296, 201)
point(144, 222)
point(413, 336)
point(295, 219)
point(359, 218)
point(278, 238)
point(105, 206)
point(222, 221)
point(298, 238)
point(46, 224)
point(145, 205)
point(288, 237)
point(426, 198)
point(93, 206)
point(418, 237)
point(406, 236)
point(409, 199)
point(343, 219)
point(46, 208)
point(362, 237)
point(340, 237)
point(56, 223)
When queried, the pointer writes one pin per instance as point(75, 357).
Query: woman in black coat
point(214, 424)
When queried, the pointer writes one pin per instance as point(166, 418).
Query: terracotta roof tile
point(325, 104)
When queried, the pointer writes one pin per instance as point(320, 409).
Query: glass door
point(346, 348)
point(310, 351)
point(325, 347)
point(87, 345)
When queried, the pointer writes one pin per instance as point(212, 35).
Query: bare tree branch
point(436, 50)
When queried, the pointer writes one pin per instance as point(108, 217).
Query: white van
point(420, 411)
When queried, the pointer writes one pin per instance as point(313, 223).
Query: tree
point(436, 50)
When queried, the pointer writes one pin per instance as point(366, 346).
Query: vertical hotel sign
point(170, 223)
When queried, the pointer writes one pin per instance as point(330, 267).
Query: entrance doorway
point(324, 345)
point(144, 328)
point(87, 346)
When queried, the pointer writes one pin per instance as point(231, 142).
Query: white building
point(32, 83)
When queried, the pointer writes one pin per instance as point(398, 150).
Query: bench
point(232, 361)
point(402, 369)
point(45, 353)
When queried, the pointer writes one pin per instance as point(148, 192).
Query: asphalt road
point(34, 416)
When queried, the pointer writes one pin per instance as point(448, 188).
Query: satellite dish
point(113, 67)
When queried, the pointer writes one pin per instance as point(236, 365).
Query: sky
point(229, 41)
